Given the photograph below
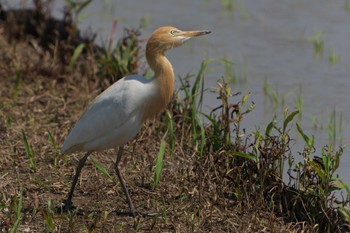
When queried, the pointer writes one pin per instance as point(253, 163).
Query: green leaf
point(76, 54)
point(326, 160)
point(159, 162)
point(309, 141)
point(82, 6)
point(269, 127)
point(245, 155)
point(18, 214)
point(245, 98)
point(320, 172)
point(26, 144)
point(52, 140)
point(289, 118)
point(202, 138)
point(171, 133)
point(341, 184)
point(29, 152)
point(101, 168)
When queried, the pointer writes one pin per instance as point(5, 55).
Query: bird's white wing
point(118, 105)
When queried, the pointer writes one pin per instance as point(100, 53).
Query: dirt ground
point(39, 97)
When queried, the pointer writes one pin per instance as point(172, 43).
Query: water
point(269, 37)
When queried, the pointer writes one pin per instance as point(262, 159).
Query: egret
point(117, 114)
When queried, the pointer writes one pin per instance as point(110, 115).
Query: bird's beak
point(190, 34)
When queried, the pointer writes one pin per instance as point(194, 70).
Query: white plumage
point(117, 114)
point(114, 117)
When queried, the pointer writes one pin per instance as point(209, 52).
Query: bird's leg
point(68, 202)
point(122, 182)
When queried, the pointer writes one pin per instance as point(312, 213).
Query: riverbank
point(208, 182)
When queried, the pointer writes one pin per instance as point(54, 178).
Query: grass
point(199, 172)
point(77, 51)
point(333, 57)
point(334, 128)
point(271, 94)
point(244, 14)
point(18, 208)
point(317, 41)
point(346, 6)
point(159, 162)
point(29, 152)
point(228, 4)
point(76, 7)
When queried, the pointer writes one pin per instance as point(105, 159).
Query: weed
point(145, 21)
point(346, 5)
point(78, 50)
point(159, 162)
point(271, 93)
point(29, 152)
point(101, 168)
point(123, 59)
point(228, 4)
point(76, 7)
point(315, 122)
point(318, 42)
point(245, 15)
point(18, 207)
point(171, 132)
point(54, 148)
point(333, 57)
point(49, 216)
point(19, 77)
point(229, 72)
point(299, 103)
point(261, 162)
point(333, 128)
point(234, 74)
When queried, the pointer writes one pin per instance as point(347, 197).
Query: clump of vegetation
point(195, 170)
point(318, 42)
point(250, 167)
point(123, 59)
point(62, 40)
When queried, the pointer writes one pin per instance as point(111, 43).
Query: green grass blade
point(309, 141)
point(29, 152)
point(288, 119)
point(185, 89)
point(78, 50)
point(321, 173)
point(245, 155)
point(159, 162)
point(19, 77)
point(342, 185)
point(171, 133)
point(18, 214)
point(54, 148)
point(82, 5)
point(101, 168)
point(269, 127)
point(202, 140)
point(26, 145)
point(52, 141)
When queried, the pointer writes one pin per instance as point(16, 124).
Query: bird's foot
point(65, 207)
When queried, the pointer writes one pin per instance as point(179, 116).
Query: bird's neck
point(163, 78)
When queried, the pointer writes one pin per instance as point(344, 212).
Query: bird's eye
point(174, 32)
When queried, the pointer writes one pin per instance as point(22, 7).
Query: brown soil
point(40, 95)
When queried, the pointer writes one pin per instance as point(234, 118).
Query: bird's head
point(165, 38)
